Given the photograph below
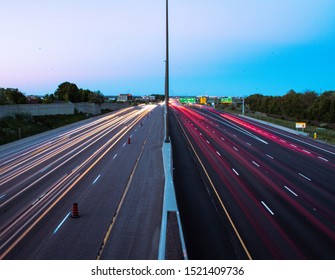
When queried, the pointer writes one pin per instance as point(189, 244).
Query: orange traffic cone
point(75, 212)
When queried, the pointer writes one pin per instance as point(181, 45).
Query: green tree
point(12, 96)
point(96, 97)
point(49, 98)
point(67, 92)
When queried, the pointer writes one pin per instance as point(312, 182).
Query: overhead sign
point(300, 125)
point(227, 100)
point(187, 100)
point(203, 100)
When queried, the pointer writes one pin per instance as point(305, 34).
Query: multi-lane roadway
point(244, 190)
point(271, 193)
point(91, 163)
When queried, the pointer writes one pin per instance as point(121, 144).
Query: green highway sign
point(187, 100)
point(227, 100)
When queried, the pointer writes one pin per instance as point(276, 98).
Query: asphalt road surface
point(98, 164)
point(249, 191)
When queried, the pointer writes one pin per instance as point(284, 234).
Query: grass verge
point(21, 126)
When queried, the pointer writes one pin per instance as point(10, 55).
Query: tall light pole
point(167, 131)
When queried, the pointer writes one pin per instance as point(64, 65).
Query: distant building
point(125, 97)
point(33, 99)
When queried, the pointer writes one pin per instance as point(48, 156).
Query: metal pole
point(167, 131)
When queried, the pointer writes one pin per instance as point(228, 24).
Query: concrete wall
point(58, 108)
point(89, 108)
point(114, 106)
point(37, 109)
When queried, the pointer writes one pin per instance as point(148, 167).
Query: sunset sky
point(217, 47)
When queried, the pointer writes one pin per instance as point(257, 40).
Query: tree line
point(66, 92)
point(299, 106)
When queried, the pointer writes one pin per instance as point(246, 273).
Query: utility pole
point(167, 131)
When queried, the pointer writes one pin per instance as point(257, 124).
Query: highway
point(250, 191)
point(91, 163)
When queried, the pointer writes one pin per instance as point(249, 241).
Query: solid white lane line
point(323, 158)
point(238, 128)
point(290, 190)
point(267, 208)
point(61, 223)
point(269, 156)
point(96, 179)
point(298, 140)
point(302, 175)
point(235, 172)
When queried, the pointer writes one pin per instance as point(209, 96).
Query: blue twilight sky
point(217, 47)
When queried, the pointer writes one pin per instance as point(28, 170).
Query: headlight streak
point(309, 214)
point(87, 136)
point(22, 223)
point(31, 149)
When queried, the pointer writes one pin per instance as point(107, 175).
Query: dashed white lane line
point(96, 179)
point(323, 158)
point(216, 152)
point(235, 172)
point(269, 156)
point(235, 149)
point(115, 156)
point(302, 175)
point(290, 191)
point(61, 223)
point(308, 152)
point(267, 208)
point(255, 163)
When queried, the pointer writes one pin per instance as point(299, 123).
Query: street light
point(167, 131)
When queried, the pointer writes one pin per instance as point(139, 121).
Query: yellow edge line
point(217, 195)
